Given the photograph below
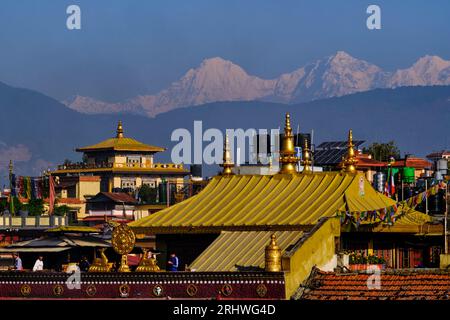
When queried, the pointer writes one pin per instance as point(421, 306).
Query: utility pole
point(402, 191)
point(10, 173)
point(12, 210)
point(168, 193)
point(426, 196)
point(445, 219)
point(312, 147)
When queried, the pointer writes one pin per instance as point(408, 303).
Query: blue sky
point(127, 48)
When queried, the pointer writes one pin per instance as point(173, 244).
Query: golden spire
point(349, 161)
point(288, 160)
point(119, 130)
point(273, 255)
point(306, 157)
point(227, 164)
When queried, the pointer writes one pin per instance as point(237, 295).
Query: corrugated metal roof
point(66, 241)
point(73, 229)
point(244, 202)
point(119, 197)
point(241, 251)
point(24, 250)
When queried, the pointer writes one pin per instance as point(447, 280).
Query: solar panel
point(338, 144)
point(331, 152)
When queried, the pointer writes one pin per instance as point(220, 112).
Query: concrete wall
point(318, 249)
point(88, 188)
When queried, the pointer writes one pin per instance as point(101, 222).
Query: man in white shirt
point(39, 264)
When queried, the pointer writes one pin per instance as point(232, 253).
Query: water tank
point(196, 170)
point(436, 203)
point(379, 179)
point(442, 166)
point(408, 175)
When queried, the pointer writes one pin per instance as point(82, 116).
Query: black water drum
point(436, 203)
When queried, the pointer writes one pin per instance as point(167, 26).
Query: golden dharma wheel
point(123, 239)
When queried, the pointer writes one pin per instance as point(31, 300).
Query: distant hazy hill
point(37, 131)
point(216, 79)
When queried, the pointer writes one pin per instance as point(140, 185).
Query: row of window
point(132, 183)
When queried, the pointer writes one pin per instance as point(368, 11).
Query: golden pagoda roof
point(121, 143)
point(226, 252)
point(277, 202)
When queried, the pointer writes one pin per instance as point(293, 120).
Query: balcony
point(35, 222)
point(108, 165)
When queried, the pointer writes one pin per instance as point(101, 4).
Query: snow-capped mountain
point(217, 79)
point(427, 70)
point(336, 76)
point(214, 80)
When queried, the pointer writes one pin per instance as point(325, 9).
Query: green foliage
point(147, 194)
point(358, 258)
point(3, 205)
point(35, 207)
point(17, 205)
point(61, 210)
point(383, 151)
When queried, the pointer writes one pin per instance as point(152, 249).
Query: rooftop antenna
point(298, 146)
point(312, 147)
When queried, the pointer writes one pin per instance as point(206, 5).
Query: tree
point(147, 194)
point(35, 207)
point(3, 205)
point(383, 151)
point(61, 210)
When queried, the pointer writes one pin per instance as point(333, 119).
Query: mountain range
point(38, 132)
point(217, 80)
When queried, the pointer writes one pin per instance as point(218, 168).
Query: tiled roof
point(394, 285)
point(413, 162)
point(70, 201)
point(364, 162)
point(438, 154)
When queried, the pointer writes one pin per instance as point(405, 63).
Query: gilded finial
point(227, 164)
point(273, 255)
point(306, 157)
point(349, 161)
point(119, 130)
point(288, 160)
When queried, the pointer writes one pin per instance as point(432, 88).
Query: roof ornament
point(273, 255)
point(227, 164)
point(123, 240)
point(306, 157)
point(349, 161)
point(100, 264)
point(288, 160)
point(148, 262)
point(119, 130)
